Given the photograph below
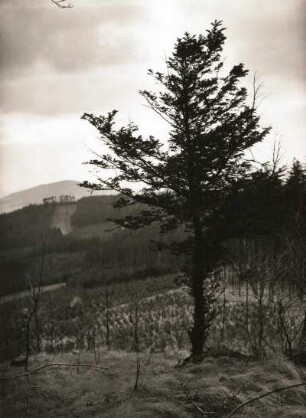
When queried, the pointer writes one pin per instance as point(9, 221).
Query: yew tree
point(185, 179)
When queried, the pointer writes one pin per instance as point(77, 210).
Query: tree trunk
point(37, 330)
point(107, 319)
point(197, 333)
point(302, 340)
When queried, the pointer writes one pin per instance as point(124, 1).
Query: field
point(143, 325)
point(152, 314)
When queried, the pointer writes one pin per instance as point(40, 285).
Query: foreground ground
point(213, 388)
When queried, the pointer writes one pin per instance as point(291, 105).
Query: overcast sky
point(57, 64)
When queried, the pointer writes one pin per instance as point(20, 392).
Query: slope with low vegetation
point(108, 389)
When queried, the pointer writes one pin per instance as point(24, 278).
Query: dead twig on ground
point(101, 370)
point(194, 404)
point(263, 396)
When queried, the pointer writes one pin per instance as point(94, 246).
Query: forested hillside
point(267, 209)
point(95, 251)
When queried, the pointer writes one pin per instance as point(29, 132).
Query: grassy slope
point(217, 385)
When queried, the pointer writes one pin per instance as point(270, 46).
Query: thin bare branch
point(263, 396)
point(62, 4)
point(35, 371)
point(276, 156)
point(196, 406)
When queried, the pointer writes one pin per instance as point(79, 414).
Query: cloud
point(93, 58)
point(83, 58)
point(73, 92)
point(277, 42)
point(36, 149)
point(269, 36)
point(55, 61)
point(74, 40)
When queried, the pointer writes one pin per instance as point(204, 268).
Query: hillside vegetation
point(96, 251)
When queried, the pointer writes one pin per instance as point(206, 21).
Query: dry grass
point(216, 385)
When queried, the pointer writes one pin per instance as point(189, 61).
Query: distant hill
point(35, 195)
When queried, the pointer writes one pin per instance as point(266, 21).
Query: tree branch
point(62, 4)
point(34, 371)
point(196, 406)
point(263, 396)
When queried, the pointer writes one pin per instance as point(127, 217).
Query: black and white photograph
point(153, 208)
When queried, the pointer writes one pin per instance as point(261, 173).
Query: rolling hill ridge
point(35, 195)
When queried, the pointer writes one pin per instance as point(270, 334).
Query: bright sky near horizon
point(57, 64)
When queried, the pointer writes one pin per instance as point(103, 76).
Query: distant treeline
point(268, 202)
point(267, 229)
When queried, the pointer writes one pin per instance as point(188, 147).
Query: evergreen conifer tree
point(186, 180)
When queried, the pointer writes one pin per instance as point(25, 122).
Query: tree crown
point(211, 127)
